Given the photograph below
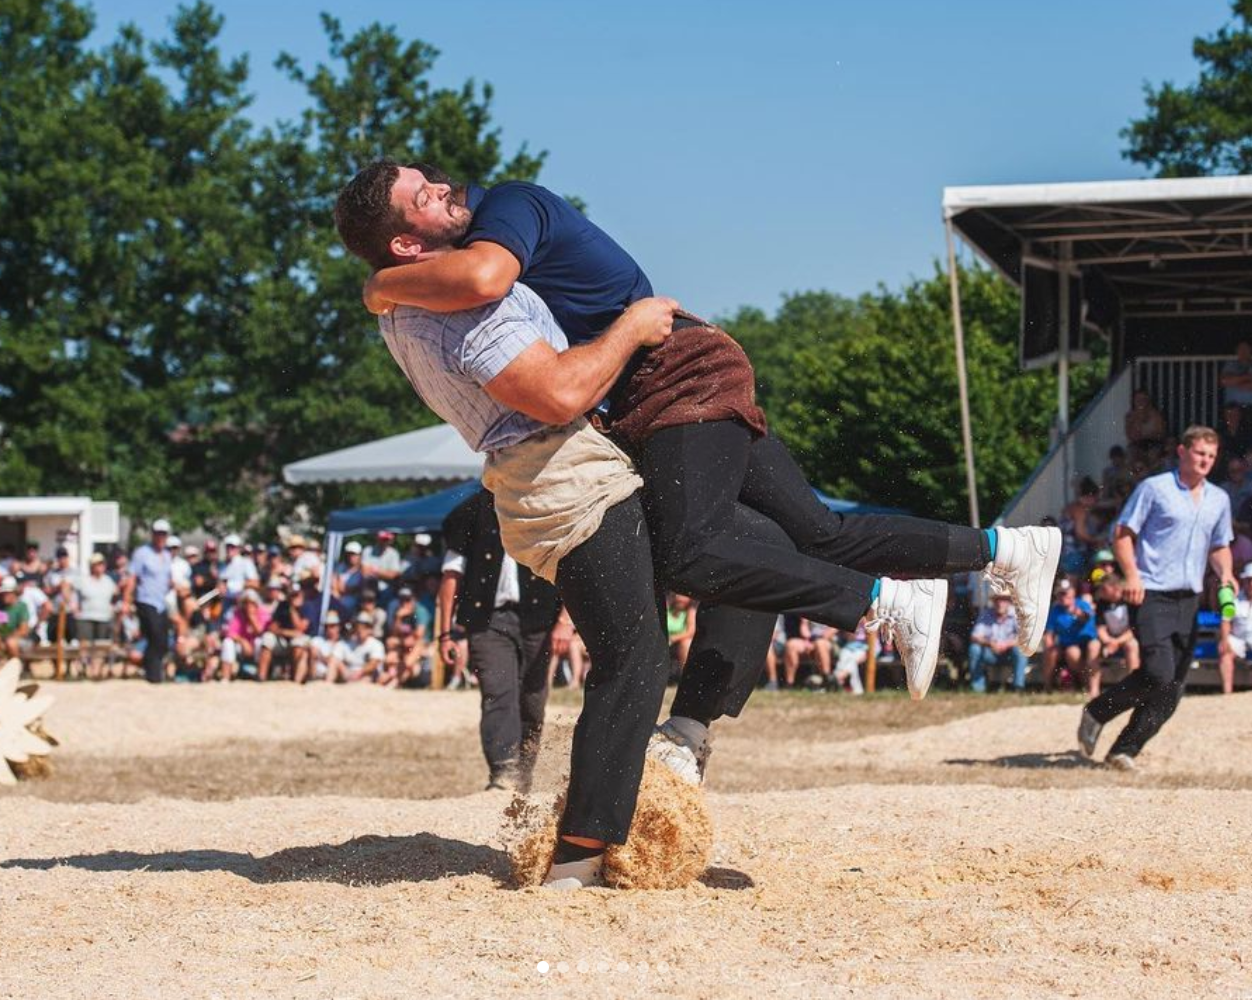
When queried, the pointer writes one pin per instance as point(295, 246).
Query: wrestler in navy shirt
point(585, 278)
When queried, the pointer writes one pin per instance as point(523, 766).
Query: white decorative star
point(18, 710)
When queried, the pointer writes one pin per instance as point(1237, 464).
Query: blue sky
point(742, 151)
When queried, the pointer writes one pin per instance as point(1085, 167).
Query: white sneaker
point(1088, 733)
point(912, 611)
point(575, 874)
point(1025, 569)
point(685, 756)
point(1120, 761)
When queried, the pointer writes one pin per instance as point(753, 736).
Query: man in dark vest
point(509, 615)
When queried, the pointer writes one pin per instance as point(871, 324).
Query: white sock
point(690, 731)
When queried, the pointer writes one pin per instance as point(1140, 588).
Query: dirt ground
point(240, 841)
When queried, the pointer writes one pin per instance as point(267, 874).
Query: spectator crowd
point(242, 610)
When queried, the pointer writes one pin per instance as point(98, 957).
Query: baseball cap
point(97, 557)
point(404, 592)
point(365, 618)
point(160, 525)
point(1104, 555)
point(386, 534)
point(353, 547)
point(234, 540)
point(422, 539)
point(62, 552)
point(174, 542)
point(250, 595)
point(210, 545)
point(296, 542)
point(8, 585)
point(192, 551)
point(1063, 585)
point(332, 617)
point(276, 583)
point(1245, 572)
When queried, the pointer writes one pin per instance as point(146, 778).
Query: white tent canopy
point(436, 453)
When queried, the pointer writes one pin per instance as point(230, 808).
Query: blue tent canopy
point(421, 514)
point(427, 513)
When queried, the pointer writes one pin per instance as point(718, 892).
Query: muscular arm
point(447, 282)
point(557, 387)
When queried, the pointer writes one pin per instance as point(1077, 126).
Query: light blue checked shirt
point(449, 357)
point(1173, 534)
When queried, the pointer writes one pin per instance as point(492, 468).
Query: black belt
point(1174, 595)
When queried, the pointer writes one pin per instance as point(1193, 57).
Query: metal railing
point(1184, 389)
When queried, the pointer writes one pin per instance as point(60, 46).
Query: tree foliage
point(177, 319)
point(864, 393)
point(1204, 127)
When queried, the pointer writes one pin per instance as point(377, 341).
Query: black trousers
point(1165, 625)
point(154, 626)
point(512, 670)
point(609, 588)
point(706, 486)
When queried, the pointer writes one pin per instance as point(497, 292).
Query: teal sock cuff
point(873, 593)
point(991, 541)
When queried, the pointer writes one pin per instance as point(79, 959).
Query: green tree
point(863, 392)
point(1204, 127)
point(177, 319)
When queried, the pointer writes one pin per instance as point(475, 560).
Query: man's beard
point(451, 235)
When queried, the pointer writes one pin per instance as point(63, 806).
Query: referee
point(1172, 524)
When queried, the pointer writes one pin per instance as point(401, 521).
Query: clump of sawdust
point(670, 840)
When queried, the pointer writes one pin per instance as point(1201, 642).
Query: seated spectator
point(1236, 377)
point(194, 645)
point(8, 561)
point(236, 573)
point(327, 654)
point(1071, 632)
point(204, 569)
point(1234, 437)
point(853, 651)
point(777, 645)
point(369, 606)
point(180, 566)
point(349, 579)
point(93, 602)
point(1117, 480)
point(15, 628)
point(365, 653)
point(303, 559)
point(573, 660)
point(804, 642)
point(993, 643)
point(1081, 530)
point(680, 622)
point(286, 640)
point(32, 567)
point(1237, 484)
point(1236, 634)
point(1117, 638)
point(37, 603)
point(1145, 429)
point(420, 560)
point(381, 565)
point(241, 642)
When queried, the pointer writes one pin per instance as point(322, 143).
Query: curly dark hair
point(365, 217)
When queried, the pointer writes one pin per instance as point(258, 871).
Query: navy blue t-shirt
point(585, 278)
